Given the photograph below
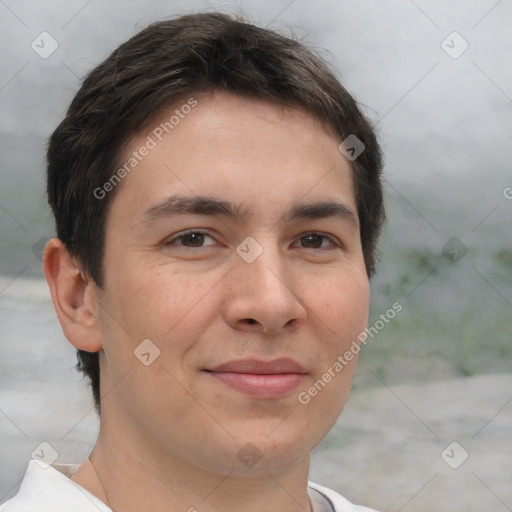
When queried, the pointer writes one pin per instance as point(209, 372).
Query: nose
point(263, 296)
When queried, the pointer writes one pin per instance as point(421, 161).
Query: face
point(233, 247)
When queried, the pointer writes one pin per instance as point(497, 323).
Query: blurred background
point(428, 425)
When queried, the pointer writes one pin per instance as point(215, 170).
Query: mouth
point(260, 379)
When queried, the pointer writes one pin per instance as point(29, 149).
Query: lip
point(260, 379)
point(258, 367)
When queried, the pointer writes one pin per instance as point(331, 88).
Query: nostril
point(250, 321)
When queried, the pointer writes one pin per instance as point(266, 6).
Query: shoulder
point(339, 503)
point(48, 489)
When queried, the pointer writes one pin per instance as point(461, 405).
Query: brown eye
point(318, 241)
point(312, 241)
point(192, 240)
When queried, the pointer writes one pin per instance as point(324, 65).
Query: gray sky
point(382, 49)
point(443, 114)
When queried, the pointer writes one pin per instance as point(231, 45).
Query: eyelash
point(183, 234)
point(171, 241)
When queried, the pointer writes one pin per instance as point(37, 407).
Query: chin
point(277, 450)
point(256, 454)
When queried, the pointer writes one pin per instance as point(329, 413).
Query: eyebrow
point(322, 209)
point(202, 205)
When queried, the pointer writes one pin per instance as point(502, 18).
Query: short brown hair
point(164, 63)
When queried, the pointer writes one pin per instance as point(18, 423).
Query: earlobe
point(73, 297)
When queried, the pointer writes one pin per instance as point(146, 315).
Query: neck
point(128, 478)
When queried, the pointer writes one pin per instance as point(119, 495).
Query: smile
point(260, 379)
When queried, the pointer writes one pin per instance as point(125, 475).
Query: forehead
point(245, 150)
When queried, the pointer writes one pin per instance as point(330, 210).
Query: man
point(218, 200)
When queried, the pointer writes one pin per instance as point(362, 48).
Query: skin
point(170, 432)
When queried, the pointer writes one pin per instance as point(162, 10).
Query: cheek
point(340, 311)
point(341, 303)
point(159, 304)
point(169, 310)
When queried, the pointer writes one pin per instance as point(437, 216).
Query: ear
point(74, 297)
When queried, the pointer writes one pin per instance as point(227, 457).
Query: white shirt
point(49, 489)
